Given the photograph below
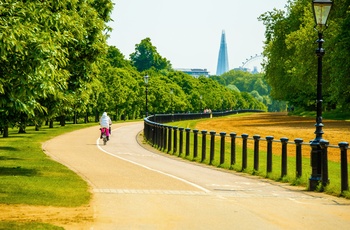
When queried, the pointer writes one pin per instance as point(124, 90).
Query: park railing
point(236, 151)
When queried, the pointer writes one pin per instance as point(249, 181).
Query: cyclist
point(105, 122)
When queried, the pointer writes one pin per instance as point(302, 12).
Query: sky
point(188, 32)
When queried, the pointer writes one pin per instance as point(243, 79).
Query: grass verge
point(28, 226)
point(28, 176)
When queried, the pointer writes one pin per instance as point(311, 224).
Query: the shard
point(222, 66)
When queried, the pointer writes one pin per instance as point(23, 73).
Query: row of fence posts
point(166, 139)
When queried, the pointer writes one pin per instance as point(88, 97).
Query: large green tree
point(338, 53)
point(291, 63)
point(48, 56)
point(32, 59)
point(146, 56)
point(85, 50)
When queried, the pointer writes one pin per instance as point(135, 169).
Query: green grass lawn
point(28, 226)
point(28, 176)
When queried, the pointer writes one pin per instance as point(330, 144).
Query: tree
point(338, 57)
point(85, 50)
point(146, 56)
point(32, 60)
point(48, 47)
point(242, 81)
point(116, 58)
point(291, 63)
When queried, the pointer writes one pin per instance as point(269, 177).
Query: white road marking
point(151, 192)
point(154, 170)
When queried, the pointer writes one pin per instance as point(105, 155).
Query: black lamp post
point(146, 83)
point(321, 9)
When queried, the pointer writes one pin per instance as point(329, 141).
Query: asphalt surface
point(138, 188)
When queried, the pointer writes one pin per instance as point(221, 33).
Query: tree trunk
point(51, 124)
point(6, 131)
point(75, 119)
point(22, 128)
point(63, 120)
point(22, 124)
point(86, 117)
point(96, 117)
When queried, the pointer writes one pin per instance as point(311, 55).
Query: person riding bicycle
point(105, 122)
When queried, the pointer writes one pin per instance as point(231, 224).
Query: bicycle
point(104, 135)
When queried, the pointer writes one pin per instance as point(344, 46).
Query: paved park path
point(137, 188)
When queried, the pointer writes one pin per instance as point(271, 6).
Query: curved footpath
point(136, 188)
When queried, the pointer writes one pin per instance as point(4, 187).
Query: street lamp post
point(146, 83)
point(321, 9)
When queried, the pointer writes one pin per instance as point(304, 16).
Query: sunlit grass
point(28, 226)
point(28, 176)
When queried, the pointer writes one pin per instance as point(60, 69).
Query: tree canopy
point(49, 51)
point(146, 57)
point(254, 84)
point(56, 65)
point(291, 63)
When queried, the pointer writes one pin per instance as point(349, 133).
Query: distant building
point(223, 56)
point(254, 71)
point(195, 72)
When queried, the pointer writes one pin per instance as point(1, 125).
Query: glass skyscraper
point(222, 66)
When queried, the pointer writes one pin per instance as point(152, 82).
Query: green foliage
point(146, 56)
point(255, 84)
point(48, 59)
point(56, 64)
point(116, 58)
point(291, 62)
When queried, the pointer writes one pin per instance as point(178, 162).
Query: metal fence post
point(244, 151)
point(233, 148)
point(181, 144)
point(212, 147)
point(324, 162)
point(165, 138)
point(195, 143)
point(222, 148)
point(145, 130)
point(344, 166)
point(204, 144)
point(284, 142)
point(175, 140)
point(154, 133)
point(187, 141)
point(161, 137)
point(298, 154)
point(170, 128)
point(256, 152)
point(269, 140)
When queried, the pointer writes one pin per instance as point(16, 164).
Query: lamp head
point(321, 9)
point(146, 79)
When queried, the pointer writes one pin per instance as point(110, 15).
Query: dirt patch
point(74, 218)
point(281, 125)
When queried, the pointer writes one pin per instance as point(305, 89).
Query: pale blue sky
point(188, 32)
